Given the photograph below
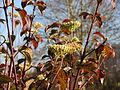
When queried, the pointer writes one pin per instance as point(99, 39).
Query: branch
point(11, 48)
point(84, 51)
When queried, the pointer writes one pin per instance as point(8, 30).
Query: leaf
point(24, 3)
point(40, 39)
point(103, 17)
point(41, 6)
point(2, 21)
point(108, 52)
point(26, 20)
point(21, 60)
point(35, 43)
point(54, 31)
point(45, 56)
point(99, 50)
point(5, 79)
point(61, 79)
point(66, 20)
point(84, 14)
point(27, 52)
point(2, 65)
point(53, 25)
point(99, 34)
point(17, 22)
point(113, 3)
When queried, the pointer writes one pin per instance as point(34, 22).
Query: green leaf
point(5, 79)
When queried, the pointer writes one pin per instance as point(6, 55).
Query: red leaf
point(53, 25)
point(66, 20)
point(2, 65)
point(39, 37)
point(41, 6)
point(113, 3)
point(26, 20)
point(99, 34)
point(35, 44)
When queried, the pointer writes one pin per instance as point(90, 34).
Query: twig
point(11, 48)
point(56, 74)
point(84, 51)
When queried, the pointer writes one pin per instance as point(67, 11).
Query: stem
point(11, 47)
point(23, 72)
point(84, 51)
point(12, 19)
point(56, 74)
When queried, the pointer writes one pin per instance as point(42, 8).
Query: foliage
point(70, 63)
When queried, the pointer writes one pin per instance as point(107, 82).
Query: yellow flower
point(37, 25)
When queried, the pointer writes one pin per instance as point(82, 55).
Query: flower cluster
point(70, 26)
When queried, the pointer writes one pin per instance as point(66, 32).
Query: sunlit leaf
point(99, 34)
point(108, 52)
point(5, 79)
point(103, 17)
point(61, 79)
point(35, 43)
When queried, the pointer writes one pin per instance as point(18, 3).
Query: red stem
point(11, 48)
point(84, 51)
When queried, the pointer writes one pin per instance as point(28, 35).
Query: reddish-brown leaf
point(26, 20)
point(66, 20)
point(17, 22)
point(99, 34)
point(35, 44)
point(108, 52)
point(103, 17)
point(39, 37)
point(25, 2)
point(113, 3)
point(53, 25)
point(41, 6)
point(2, 65)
